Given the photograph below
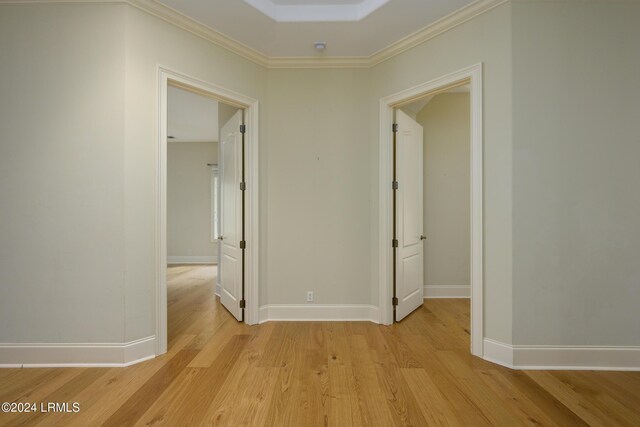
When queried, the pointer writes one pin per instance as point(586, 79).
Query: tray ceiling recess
point(316, 10)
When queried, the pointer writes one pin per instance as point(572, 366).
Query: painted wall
point(486, 39)
point(225, 112)
point(318, 223)
point(576, 171)
point(189, 201)
point(447, 193)
point(61, 171)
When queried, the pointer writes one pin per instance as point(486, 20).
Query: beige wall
point(576, 118)
point(225, 112)
point(62, 219)
point(189, 200)
point(317, 211)
point(446, 123)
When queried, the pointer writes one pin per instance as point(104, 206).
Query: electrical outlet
point(310, 296)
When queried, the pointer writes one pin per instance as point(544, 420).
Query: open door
point(231, 216)
point(409, 235)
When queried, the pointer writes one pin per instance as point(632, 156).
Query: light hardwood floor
point(221, 372)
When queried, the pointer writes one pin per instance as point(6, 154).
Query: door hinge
point(394, 243)
point(394, 128)
point(394, 185)
point(243, 128)
point(243, 244)
point(243, 303)
point(394, 301)
point(243, 186)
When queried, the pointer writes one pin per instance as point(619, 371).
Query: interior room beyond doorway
point(195, 126)
point(445, 120)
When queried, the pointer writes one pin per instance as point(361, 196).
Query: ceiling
point(387, 22)
point(191, 117)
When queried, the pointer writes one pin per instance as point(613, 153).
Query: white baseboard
point(497, 352)
point(459, 291)
point(319, 312)
point(588, 358)
point(192, 259)
point(218, 288)
point(77, 355)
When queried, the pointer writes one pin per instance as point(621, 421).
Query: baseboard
point(459, 291)
point(192, 260)
point(497, 352)
point(319, 312)
point(218, 288)
point(77, 355)
point(588, 358)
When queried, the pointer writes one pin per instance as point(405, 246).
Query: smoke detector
point(320, 46)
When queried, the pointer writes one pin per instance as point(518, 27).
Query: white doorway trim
point(473, 76)
point(167, 76)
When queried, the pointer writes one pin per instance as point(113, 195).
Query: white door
point(230, 165)
point(409, 216)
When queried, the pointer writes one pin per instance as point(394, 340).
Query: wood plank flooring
point(221, 372)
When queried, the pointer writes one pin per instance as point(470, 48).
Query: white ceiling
point(392, 21)
point(191, 117)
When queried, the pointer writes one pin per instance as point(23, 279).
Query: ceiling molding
point(319, 62)
point(446, 23)
point(191, 25)
point(187, 23)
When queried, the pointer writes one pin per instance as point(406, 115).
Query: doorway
point(192, 213)
point(234, 218)
point(401, 226)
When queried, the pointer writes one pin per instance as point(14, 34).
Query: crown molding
point(173, 17)
point(434, 29)
point(319, 62)
point(199, 29)
point(187, 23)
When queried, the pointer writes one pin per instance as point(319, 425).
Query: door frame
point(166, 77)
point(473, 76)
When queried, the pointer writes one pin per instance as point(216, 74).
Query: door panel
point(411, 267)
point(409, 216)
point(229, 190)
point(230, 269)
point(412, 202)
